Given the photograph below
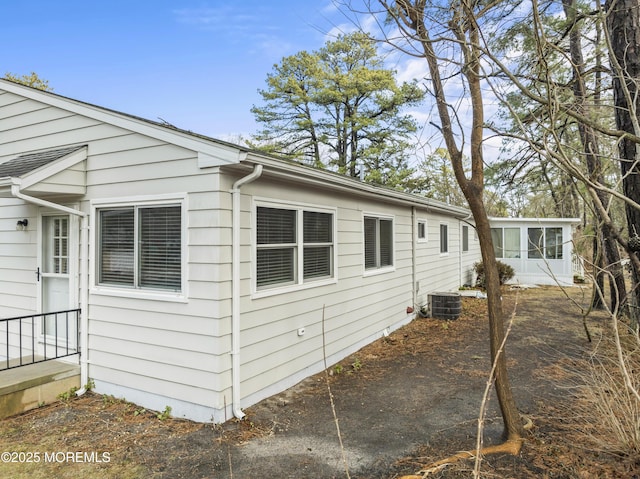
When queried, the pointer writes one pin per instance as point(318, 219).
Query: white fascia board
point(320, 178)
point(210, 152)
point(496, 220)
point(51, 169)
point(5, 187)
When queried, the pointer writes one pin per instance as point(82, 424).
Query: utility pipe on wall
point(84, 276)
point(235, 288)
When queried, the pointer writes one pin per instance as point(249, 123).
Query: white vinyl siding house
point(205, 273)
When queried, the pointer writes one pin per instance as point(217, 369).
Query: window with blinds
point(378, 242)
point(318, 244)
point(141, 247)
point(277, 246)
point(294, 246)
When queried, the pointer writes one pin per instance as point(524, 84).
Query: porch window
point(553, 243)
point(506, 242)
point(545, 243)
point(378, 242)
point(294, 246)
point(141, 247)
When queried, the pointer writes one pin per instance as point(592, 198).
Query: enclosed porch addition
point(540, 250)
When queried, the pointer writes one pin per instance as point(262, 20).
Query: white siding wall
point(17, 259)
point(158, 352)
point(470, 257)
point(358, 308)
point(441, 272)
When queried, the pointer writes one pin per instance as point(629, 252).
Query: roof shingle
point(29, 162)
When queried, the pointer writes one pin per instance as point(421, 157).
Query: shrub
point(505, 273)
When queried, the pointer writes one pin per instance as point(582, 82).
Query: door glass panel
point(56, 244)
point(55, 277)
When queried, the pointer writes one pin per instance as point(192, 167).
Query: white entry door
point(55, 276)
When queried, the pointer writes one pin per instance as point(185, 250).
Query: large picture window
point(140, 247)
point(294, 246)
point(378, 242)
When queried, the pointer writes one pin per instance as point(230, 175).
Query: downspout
point(414, 263)
point(235, 288)
point(84, 276)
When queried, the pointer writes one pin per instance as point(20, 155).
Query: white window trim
point(445, 253)
point(426, 230)
point(137, 201)
point(385, 269)
point(300, 284)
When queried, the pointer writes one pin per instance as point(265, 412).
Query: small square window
point(422, 230)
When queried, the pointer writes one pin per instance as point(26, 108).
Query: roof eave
point(495, 219)
point(308, 175)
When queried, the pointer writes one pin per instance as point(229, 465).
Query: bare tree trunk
point(591, 150)
point(464, 26)
point(623, 28)
point(598, 272)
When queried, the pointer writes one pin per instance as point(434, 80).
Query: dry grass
point(610, 411)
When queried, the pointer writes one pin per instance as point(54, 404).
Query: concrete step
point(31, 386)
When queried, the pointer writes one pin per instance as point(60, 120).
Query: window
point(277, 246)
point(378, 242)
point(140, 247)
point(553, 243)
point(545, 243)
point(422, 231)
point(465, 238)
point(536, 243)
point(56, 248)
point(506, 242)
point(294, 246)
point(444, 238)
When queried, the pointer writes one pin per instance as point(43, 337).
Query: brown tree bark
point(623, 30)
point(591, 150)
point(410, 15)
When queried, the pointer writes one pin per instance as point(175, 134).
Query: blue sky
point(195, 63)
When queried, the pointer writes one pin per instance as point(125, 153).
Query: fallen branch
point(333, 404)
point(512, 446)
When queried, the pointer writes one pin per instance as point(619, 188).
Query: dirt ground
point(401, 402)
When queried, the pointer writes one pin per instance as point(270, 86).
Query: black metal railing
point(36, 338)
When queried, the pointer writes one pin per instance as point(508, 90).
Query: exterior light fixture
point(22, 224)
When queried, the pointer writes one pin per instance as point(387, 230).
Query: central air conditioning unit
point(445, 305)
